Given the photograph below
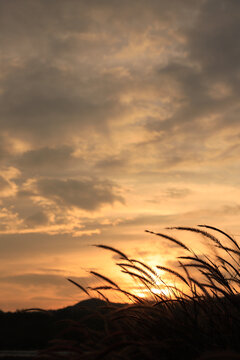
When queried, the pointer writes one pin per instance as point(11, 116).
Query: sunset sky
point(116, 117)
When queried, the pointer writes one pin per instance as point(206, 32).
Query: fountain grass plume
point(199, 311)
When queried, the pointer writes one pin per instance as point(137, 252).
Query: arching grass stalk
point(198, 311)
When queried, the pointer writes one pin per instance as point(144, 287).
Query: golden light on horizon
point(164, 292)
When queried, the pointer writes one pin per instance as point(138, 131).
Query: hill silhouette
point(36, 328)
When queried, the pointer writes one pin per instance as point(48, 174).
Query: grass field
point(197, 318)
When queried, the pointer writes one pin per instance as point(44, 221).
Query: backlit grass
point(197, 313)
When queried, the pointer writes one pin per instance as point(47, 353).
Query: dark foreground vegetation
point(35, 328)
point(198, 318)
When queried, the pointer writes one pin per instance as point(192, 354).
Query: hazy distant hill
point(34, 329)
point(85, 305)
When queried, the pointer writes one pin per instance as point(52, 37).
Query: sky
point(115, 117)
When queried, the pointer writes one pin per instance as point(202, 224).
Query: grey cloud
point(42, 102)
point(35, 245)
point(213, 41)
point(43, 204)
point(49, 89)
point(4, 149)
point(4, 184)
point(85, 194)
point(26, 21)
point(46, 158)
point(207, 83)
point(112, 163)
point(37, 219)
point(44, 17)
point(39, 280)
point(93, 224)
point(7, 188)
point(194, 105)
point(33, 279)
point(146, 220)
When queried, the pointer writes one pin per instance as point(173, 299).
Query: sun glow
point(145, 293)
point(160, 287)
point(160, 290)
